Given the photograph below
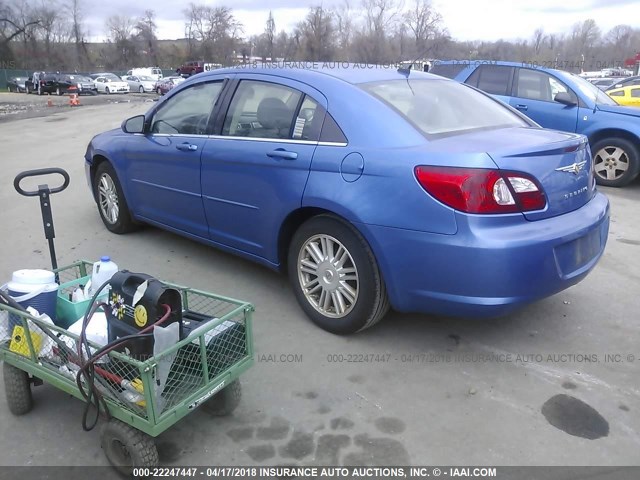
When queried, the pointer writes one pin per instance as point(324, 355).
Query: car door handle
point(282, 153)
point(187, 147)
point(522, 107)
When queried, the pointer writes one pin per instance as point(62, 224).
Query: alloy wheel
point(108, 199)
point(328, 276)
point(610, 163)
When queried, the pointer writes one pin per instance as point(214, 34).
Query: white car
point(140, 83)
point(110, 83)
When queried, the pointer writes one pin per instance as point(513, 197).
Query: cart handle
point(37, 173)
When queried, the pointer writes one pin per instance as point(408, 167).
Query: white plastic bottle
point(102, 272)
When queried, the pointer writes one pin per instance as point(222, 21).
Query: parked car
point(192, 68)
point(110, 83)
point(41, 82)
point(75, 83)
point(625, 82)
point(153, 72)
point(140, 83)
point(166, 84)
point(629, 96)
point(602, 83)
point(17, 84)
point(562, 101)
point(419, 193)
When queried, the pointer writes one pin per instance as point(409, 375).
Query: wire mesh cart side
point(144, 397)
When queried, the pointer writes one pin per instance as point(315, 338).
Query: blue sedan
point(371, 188)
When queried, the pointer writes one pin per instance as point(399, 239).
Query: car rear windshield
point(442, 107)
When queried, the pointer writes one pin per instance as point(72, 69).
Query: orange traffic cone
point(74, 101)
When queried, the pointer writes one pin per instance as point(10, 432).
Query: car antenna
point(405, 71)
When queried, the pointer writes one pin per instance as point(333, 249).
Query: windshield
point(144, 78)
point(592, 92)
point(111, 77)
point(440, 107)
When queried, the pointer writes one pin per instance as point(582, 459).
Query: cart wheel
point(127, 447)
point(224, 402)
point(17, 389)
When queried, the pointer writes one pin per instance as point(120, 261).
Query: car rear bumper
point(492, 265)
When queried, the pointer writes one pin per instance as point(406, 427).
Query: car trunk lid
point(560, 162)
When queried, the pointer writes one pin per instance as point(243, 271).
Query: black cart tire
point(127, 448)
point(335, 276)
point(112, 205)
point(225, 401)
point(17, 388)
point(616, 162)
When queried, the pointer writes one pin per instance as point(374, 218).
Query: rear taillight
point(480, 190)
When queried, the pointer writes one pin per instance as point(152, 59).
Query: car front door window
point(188, 111)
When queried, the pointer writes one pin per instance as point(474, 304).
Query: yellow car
point(629, 96)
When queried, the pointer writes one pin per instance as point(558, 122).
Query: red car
point(163, 86)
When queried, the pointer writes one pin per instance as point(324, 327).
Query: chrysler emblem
point(574, 168)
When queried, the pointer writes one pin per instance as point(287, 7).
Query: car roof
point(310, 71)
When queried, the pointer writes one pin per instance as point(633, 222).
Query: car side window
point(617, 94)
point(493, 79)
point(188, 111)
point(535, 85)
point(308, 121)
point(262, 110)
point(635, 92)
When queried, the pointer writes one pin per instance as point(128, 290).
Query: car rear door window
point(635, 92)
point(188, 111)
point(493, 79)
point(617, 94)
point(263, 110)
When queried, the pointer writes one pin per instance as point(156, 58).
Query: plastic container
point(68, 311)
point(33, 288)
point(102, 273)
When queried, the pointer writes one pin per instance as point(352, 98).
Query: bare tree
point(316, 35)
point(424, 23)
point(538, 39)
point(146, 31)
point(344, 28)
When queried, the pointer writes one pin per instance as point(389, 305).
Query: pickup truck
point(561, 101)
point(192, 68)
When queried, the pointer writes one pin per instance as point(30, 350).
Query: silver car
point(140, 83)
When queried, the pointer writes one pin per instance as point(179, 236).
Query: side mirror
point(565, 99)
point(133, 124)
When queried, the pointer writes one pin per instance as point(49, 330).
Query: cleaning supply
point(101, 273)
point(33, 288)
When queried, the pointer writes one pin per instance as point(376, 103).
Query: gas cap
point(352, 167)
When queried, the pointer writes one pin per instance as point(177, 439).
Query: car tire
point(58, 92)
point(112, 205)
point(343, 288)
point(141, 89)
point(158, 91)
point(106, 90)
point(616, 162)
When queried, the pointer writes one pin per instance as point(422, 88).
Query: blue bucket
point(33, 288)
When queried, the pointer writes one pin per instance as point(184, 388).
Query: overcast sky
point(465, 19)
